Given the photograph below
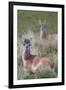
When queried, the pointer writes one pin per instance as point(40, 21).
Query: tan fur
point(35, 62)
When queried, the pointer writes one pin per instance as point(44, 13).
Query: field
point(28, 22)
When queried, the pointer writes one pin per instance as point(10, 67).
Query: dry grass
point(41, 50)
point(28, 20)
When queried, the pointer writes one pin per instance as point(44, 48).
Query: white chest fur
point(41, 34)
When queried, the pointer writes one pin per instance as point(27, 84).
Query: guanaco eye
point(24, 44)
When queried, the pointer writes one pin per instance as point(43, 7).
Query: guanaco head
point(26, 47)
point(42, 24)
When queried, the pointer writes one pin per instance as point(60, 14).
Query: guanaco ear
point(30, 41)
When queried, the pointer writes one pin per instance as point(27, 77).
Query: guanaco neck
point(26, 54)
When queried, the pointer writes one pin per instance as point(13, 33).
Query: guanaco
point(42, 27)
point(33, 62)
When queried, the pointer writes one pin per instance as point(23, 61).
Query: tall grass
point(28, 20)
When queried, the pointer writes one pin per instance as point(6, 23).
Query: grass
point(28, 20)
point(43, 73)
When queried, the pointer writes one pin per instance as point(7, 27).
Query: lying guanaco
point(33, 62)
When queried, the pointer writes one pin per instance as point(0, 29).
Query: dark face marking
point(42, 25)
point(27, 42)
point(27, 48)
